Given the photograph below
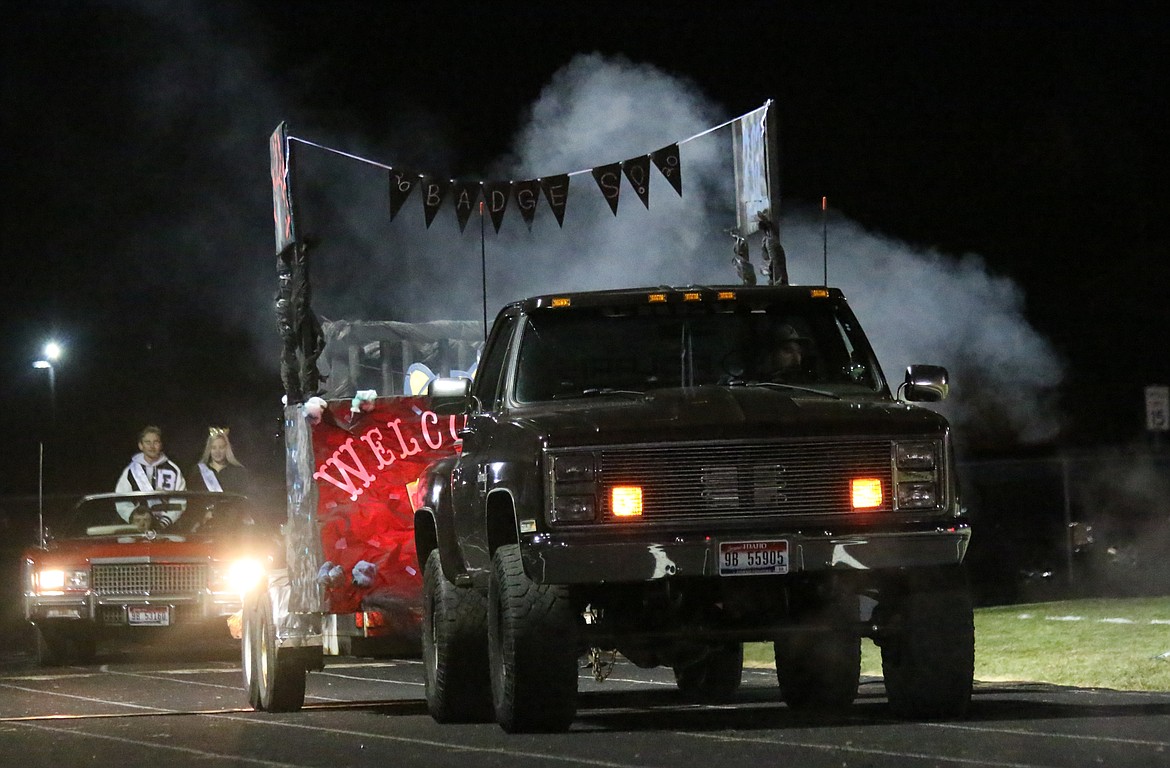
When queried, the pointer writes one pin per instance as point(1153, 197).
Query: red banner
point(367, 465)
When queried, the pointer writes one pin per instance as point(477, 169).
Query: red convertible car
point(115, 569)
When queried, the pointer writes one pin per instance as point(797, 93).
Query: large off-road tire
point(928, 646)
point(714, 676)
point(454, 649)
point(532, 649)
point(819, 669)
point(279, 676)
point(65, 642)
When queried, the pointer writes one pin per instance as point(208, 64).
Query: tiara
point(218, 432)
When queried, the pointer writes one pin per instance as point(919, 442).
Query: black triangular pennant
point(495, 198)
point(434, 190)
point(556, 192)
point(609, 181)
point(402, 183)
point(527, 194)
point(668, 162)
point(637, 170)
point(465, 194)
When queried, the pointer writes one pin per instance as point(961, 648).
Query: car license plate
point(148, 615)
point(753, 558)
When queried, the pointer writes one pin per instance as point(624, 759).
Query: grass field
point(1121, 644)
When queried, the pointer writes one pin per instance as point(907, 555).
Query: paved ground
point(148, 707)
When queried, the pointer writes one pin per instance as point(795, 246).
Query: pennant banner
point(434, 190)
point(401, 184)
point(756, 184)
point(527, 194)
point(637, 171)
point(609, 181)
point(466, 195)
point(556, 192)
point(667, 161)
point(495, 198)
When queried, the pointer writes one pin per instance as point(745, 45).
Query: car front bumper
point(115, 610)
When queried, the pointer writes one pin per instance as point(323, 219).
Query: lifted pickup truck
point(666, 473)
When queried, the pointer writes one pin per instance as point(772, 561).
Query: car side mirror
point(925, 384)
point(449, 396)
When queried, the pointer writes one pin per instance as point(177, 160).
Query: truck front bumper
point(556, 559)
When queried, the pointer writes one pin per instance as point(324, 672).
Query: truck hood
point(722, 413)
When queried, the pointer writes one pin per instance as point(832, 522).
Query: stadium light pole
point(52, 353)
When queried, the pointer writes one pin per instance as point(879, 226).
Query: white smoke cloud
point(918, 306)
point(923, 306)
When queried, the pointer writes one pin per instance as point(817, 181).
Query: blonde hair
point(212, 434)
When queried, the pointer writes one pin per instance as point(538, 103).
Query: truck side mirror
point(449, 396)
point(925, 384)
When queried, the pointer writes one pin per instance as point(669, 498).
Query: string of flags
point(497, 196)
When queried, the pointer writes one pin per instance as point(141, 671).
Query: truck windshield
point(598, 350)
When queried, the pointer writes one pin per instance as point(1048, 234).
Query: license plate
point(753, 558)
point(148, 615)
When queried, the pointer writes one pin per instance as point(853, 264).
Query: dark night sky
point(136, 219)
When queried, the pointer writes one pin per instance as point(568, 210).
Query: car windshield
point(137, 513)
point(812, 346)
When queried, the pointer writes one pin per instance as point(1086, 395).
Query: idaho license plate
point(148, 615)
point(753, 558)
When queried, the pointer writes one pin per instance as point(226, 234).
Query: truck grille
point(745, 480)
point(149, 578)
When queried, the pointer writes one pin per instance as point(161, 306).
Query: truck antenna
point(483, 270)
point(825, 237)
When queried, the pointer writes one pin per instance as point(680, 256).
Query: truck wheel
point(279, 677)
point(532, 652)
point(928, 648)
point(713, 677)
point(819, 669)
point(454, 649)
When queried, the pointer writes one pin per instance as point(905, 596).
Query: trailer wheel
point(279, 677)
point(819, 669)
point(454, 649)
point(249, 648)
point(928, 646)
point(532, 649)
point(713, 677)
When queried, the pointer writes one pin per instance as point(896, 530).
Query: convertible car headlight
point(242, 575)
point(58, 580)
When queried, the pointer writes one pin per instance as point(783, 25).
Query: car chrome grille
point(149, 578)
point(745, 480)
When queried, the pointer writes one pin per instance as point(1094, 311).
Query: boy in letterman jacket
point(151, 470)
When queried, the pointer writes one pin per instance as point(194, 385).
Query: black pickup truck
point(667, 473)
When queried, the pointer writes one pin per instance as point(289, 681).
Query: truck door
point(469, 477)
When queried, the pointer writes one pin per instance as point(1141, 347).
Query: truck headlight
point(917, 456)
point(917, 495)
point(918, 474)
point(573, 468)
point(573, 509)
